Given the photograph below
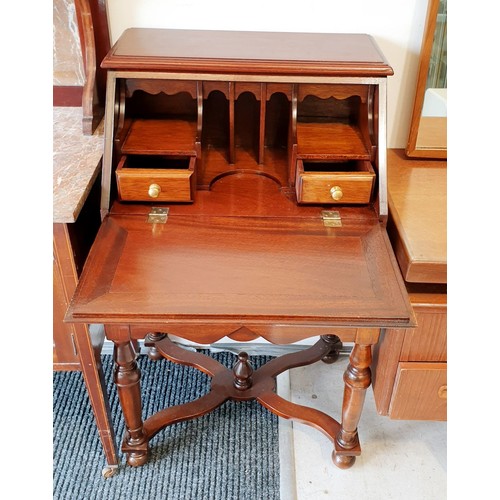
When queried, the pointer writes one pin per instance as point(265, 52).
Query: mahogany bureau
point(244, 194)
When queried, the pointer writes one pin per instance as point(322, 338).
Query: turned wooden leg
point(357, 379)
point(151, 338)
point(127, 380)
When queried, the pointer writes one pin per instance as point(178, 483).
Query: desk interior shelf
point(167, 136)
point(330, 141)
point(295, 134)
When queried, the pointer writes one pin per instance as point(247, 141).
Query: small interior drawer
point(419, 392)
point(156, 178)
point(346, 182)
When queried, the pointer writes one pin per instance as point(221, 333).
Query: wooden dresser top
point(315, 54)
point(417, 208)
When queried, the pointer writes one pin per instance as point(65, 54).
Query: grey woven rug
point(231, 453)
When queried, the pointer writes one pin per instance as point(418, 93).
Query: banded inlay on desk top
point(200, 267)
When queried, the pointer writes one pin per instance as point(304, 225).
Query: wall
point(396, 25)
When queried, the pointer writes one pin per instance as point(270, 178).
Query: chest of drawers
point(410, 379)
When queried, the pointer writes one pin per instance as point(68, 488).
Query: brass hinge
point(158, 215)
point(331, 218)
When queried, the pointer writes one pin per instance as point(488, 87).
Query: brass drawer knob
point(336, 193)
point(154, 191)
point(442, 392)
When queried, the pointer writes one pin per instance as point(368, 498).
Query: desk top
point(76, 163)
point(213, 269)
point(417, 209)
point(247, 52)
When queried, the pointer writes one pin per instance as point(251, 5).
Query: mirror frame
point(425, 55)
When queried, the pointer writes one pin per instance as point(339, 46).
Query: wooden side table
point(409, 379)
point(76, 220)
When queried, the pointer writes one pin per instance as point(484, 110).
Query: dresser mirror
point(428, 128)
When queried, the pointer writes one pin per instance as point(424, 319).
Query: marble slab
point(67, 58)
point(76, 162)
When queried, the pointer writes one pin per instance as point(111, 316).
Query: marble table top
point(76, 162)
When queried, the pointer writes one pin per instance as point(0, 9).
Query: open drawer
point(156, 178)
point(346, 182)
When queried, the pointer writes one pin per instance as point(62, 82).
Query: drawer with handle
point(420, 392)
point(347, 182)
point(156, 178)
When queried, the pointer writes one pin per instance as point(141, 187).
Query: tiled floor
point(400, 459)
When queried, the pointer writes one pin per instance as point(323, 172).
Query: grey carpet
point(231, 453)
